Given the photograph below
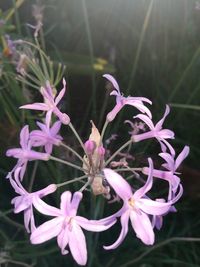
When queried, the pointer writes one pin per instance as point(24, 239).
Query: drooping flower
point(171, 165)
point(121, 101)
point(47, 136)
point(25, 200)
point(156, 131)
point(50, 103)
point(24, 154)
point(66, 226)
point(137, 207)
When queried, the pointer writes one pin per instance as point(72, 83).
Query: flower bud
point(90, 146)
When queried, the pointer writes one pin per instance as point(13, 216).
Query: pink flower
point(121, 101)
point(24, 154)
point(171, 165)
point(156, 131)
point(25, 200)
point(137, 207)
point(67, 226)
point(47, 136)
point(50, 103)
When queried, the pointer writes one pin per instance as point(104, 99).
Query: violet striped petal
point(44, 208)
point(153, 207)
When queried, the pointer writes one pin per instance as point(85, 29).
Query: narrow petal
point(61, 94)
point(65, 204)
point(144, 189)
point(146, 120)
point(121, 187)
point(113, 113)
point(142, 227)
point(169, 159)
point(63, 240)
point(77, 196)
point(44, 208)
point(47, 231)
point(139, 105)
point(160, 122)
point(184, 153)
point(93, 225)
point(143, 136)
point(153, 207)
point(124, 223)
point(24, 136)
point(77, 244)
point(36, 106)
point(55, 128)
point(113, 81)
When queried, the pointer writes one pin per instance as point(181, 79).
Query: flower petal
point(24, 136)
point(63, 240)
point(65, 204)
point(77, 196)
point(121, 187)
point(36, 106)
point(124, 223)
point(44, 208)
point(184, 153)
point(93, 225)
point(47, 231)
point(144, 189)
point(142, 227)
point(159, 124)
point(153, 207)
point(77, 244)
point(146, 120)
point(113, 81)
point(61, 94)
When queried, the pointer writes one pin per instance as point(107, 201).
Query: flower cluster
point(105, 174)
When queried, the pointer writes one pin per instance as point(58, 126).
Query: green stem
point(77, 136)
point(72, 181)
point(103, 130)
point(67, 163)
point(117, 152)
point(75, 153)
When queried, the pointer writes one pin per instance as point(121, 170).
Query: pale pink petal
point(48, 148)
point(42, 126)
point(46, 191)
point(93, 225)
point(169, 159)
point(113, 81)
point(153, 207)
point(24, 136)
point(77, 196)
point(55, 128)
point(159, 124)
point(61, 94)
point(146, 120)
point(113, 113)
point(77, 244)
point(142, 227)
point(184, 153)
point(165, 134)
point(139, 105)
point(63, 240)
point(171, 149)
point(143, 136)
point(47, 231)
point(65, 204)
point(144, 189)
point(120, 186)
point(124, 223)
point(44, 208)
point(36, 106)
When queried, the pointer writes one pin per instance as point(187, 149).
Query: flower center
point(131, 202)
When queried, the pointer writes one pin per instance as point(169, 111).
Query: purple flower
point(156, 131)
point(137, 207)
point(171, 165)
point(24, 154)
point(67, 226)
point(25, 200)
point(47, 136)
point(121, 101)
point(50, 103)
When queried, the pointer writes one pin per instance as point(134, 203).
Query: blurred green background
point(152, 47)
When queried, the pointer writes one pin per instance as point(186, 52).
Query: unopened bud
point(90, 146)
point(101, 152)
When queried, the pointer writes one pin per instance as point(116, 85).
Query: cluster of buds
point(102, 173)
